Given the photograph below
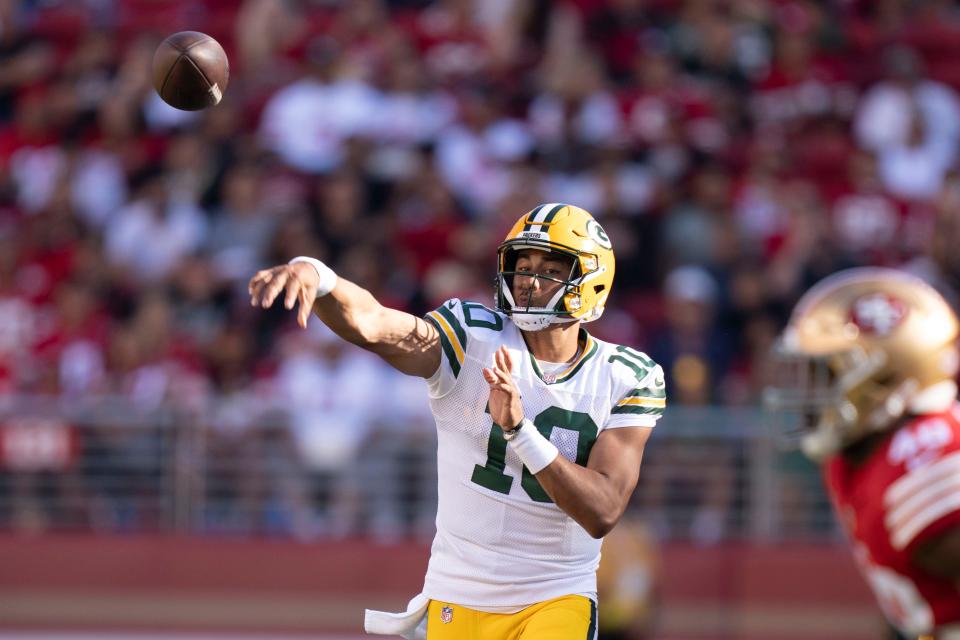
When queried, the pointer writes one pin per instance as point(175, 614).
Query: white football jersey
point(501, 541)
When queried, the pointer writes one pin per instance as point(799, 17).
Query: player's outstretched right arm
point(408, 343)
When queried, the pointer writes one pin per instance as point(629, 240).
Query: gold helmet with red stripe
point(864, 348)
point(570, 231)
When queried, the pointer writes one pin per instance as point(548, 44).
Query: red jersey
point(906, 493)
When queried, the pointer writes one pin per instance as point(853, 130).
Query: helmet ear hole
point(597, 288)
point(886, 379)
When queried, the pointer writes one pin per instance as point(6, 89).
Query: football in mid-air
point(190, 71)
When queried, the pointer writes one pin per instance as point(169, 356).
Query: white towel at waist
point(410, 624)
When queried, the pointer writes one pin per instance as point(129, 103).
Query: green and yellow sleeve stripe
point(642, 401)
point(453, 339)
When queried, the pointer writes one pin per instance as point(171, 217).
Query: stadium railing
point(709, 474)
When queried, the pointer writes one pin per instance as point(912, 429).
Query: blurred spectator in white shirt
point(885, 116)
point(327, 386)
point(98, 186)
point(915, 168)
point(580, 110)
point(411, 110)
point(241, 227)
point(154, 232)
point(307, 122)
point(473, 156)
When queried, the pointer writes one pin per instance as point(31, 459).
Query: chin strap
point(536, 321)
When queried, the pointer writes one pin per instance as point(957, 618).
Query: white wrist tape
point(535, 451)
point(328, 279)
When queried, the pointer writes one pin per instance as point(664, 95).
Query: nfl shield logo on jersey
point(446, 614)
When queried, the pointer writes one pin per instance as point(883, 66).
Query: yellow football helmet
point(571, 231)
point(864, 348)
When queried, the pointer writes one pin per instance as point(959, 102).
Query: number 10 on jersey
point(492, 476)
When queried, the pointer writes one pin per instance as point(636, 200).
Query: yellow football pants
point(564, 618)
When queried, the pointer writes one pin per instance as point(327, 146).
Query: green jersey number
point(492, 476)
point(477, 315)
point(636, 361)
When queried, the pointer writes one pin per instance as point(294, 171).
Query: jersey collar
point(589, 349)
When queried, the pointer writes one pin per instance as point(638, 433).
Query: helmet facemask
point(826, 402)
point(558, 309)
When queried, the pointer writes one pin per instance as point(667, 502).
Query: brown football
point(190, 71)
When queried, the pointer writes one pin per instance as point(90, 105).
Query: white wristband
point(328, 279)
point(535, 451)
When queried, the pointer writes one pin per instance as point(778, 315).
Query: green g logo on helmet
point(598, 235)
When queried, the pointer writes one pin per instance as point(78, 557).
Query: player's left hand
point(505, 407)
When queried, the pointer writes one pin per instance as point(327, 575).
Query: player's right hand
point(299, 280)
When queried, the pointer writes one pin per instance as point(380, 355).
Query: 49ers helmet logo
point(878, 313)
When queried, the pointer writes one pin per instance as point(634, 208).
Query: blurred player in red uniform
point(869, 358)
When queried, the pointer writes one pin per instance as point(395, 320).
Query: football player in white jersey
point(541, 427)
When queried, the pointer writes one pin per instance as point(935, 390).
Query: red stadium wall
point(732, 591)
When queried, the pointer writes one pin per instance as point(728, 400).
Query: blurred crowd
point(736, 151)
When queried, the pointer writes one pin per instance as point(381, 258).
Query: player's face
point(538, 273)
